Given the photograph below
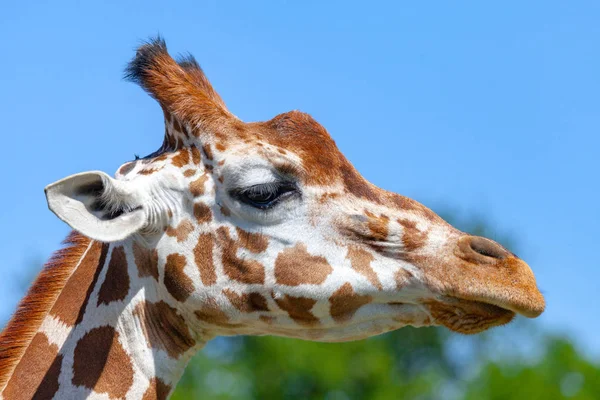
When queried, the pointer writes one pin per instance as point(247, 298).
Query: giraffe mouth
point(467, 316)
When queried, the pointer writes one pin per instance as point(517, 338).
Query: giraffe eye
point(266, 195)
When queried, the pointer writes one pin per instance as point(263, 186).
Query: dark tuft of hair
point(144, 60)
point(188, 62)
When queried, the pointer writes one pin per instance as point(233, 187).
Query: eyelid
point(269, 188)
point(268, 185)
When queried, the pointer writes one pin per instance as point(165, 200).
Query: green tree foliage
point(560, 373)
point(424, 363)
point(406, 364)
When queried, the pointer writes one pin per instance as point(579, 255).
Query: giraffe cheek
point(296, 266)
point(242, 270)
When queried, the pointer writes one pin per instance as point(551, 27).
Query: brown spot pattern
point(325, 197)
point(255, 242)
point(177, 125)
point(211, 313)
point(146, 261)
point(164, 328)
point(189, 173)
point(18, 333)
point(402, 278)
point(126, 168)
point(298, 308)
point(361, 263)
point(182, 230)
point(296, 266)
point(148, 171)
point(36, 376)
point(412, 237)
point(345, 302)
point(378, 226)
point(100, 363)
point(197, 186)
point(203, 256)
point(247, 302)
point(207, 152)
point(161, 157)
point(176, 281)
point(202, 213)
point(116, 283)
point(181, 158)
point(225, 211)
point(195, 155)
point(238, 269)
point(72, 301)
point(157, 390)
point(220, 147)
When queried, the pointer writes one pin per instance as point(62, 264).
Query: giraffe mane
point(33, 308)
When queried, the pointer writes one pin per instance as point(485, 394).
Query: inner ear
point(97, 205)
point(96, 197)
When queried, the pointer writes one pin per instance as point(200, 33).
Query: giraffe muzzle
point(499, 277)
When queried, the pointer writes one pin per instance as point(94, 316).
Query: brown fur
point(239, 269)
point(207, 152)
point(466, 316)
point(345, 302)
point(203, 257)
point(100, 363)
point(184, 91)
point(247, 302)
point(116, 283)
point(412, 237)
point(296, 266)
point(298, 308)
point(197, 186)
point(188, 173)
point(70, 305)
point(36, 377)
point(196, 155)
point(176, 281)
point(20, 330)
point(146, 261)
point(211, 313)
point(202, 213)
point(157, 390)
point(225, 211)
point(378, 226)
point(402, 278)
point(164, 328)
point(125, 168)
point(182, 157)
point(361, 263)
point(255, 242)
point(182, 231)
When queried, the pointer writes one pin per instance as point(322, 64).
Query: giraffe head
point(266, 228)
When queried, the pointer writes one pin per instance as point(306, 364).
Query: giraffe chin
point(467, 316)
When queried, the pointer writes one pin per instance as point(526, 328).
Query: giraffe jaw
point(467, 316)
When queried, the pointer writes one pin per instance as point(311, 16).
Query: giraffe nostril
point(487, 248)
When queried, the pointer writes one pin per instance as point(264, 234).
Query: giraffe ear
point(97, 205)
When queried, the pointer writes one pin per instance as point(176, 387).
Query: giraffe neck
point(109, 330)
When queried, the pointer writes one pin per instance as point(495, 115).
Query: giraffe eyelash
point(265, 196)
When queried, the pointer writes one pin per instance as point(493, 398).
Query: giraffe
point(235, 228)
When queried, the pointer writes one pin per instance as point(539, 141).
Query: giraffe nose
point(496, 276)
point(479, 249)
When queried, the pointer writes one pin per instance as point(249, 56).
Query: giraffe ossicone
point(232, 228)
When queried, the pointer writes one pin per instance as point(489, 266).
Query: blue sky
point(490, 110)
